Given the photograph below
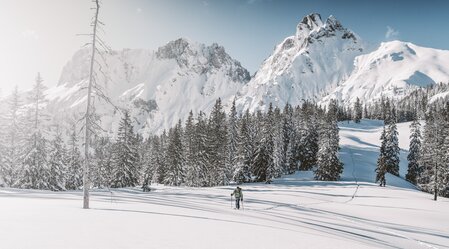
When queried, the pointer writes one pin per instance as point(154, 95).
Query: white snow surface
point(393, 70)
point(292, 212)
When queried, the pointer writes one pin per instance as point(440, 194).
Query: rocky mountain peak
point(312, 28)
point(310, 22)
point(176, 49)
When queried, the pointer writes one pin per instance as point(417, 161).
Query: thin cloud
point(391, 33)
point(139, 10)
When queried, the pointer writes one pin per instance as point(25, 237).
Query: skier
point(383, 181)
point(238, 196)
point(146, 184)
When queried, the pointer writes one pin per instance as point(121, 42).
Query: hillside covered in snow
point(393, 70)
point(294, 211)
point(158, 87)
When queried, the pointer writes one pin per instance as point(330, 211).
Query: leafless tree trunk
point(88, 124)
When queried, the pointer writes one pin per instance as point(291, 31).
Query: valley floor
point(293, 212)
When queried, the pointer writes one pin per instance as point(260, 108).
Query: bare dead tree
point(88, 123)
point(98, 49)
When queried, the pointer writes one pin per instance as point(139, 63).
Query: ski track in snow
point(293, 212)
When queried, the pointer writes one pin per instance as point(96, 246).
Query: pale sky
point(40, 35)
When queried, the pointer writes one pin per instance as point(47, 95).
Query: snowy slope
point(308, 65)
point(159, 87)
point(360, 145)
point(293, 212)
point(393, 70)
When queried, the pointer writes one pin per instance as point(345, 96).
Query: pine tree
point(308, 138)
point(147, 171)
point(278, 146)
point(155, 161)
point(13, 140)
point(125, 155)
point(358, 111)
point(242, 172)
point(35, 170)
point(392, 149)
point(329, 167)
point(161, 170)
point(74, 178)
point(381, 167)
point(232, 141)
point(444, 152)
point(413, 156)
point(217, 145)
point(189, 148)
point(428, 156)
point(57, 163)
point(287, 137)
point(433, 157)
point(263, 164)
point(175, 174)
point(202, 171)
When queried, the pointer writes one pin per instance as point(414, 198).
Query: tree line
point(204, 150)
point(428, 157)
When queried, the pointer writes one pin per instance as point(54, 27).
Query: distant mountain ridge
point(158, 87)
point(323, 60)
point(393, 70)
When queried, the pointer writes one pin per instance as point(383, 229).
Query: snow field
point(293, 212)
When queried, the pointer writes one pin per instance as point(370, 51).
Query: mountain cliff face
point(158, 87)
point(307, 65)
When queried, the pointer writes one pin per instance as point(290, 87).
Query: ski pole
point(231, 201)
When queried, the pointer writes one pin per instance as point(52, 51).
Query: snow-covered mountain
point(393, 70)
point(307, 65)
point(159, 87)
point(322, 61)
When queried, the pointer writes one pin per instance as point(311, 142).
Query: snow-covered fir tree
point(13, 140)
point(329, 167)
point(175, 173)
point(202, 140)
point(232, 141)
point(287, 137)
point(263, 161)
point(392, 149)
point(278, 146)
point(125, 156)
point(358, 111)
point(434, 157)
point(57, 163)
point(414, 152)
point(35, 171)
point(242, 172)
point(155, 161)
point(190, 151)
point(160, 172)
point(74, 174)
point(217, 145)
point(381, 166)
point(308, 145)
